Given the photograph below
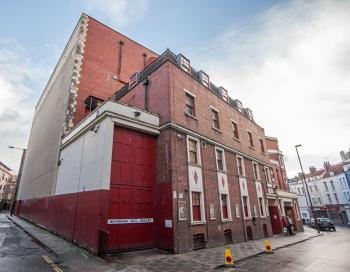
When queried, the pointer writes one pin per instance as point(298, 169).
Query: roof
point(5, 166)
point(168, 55)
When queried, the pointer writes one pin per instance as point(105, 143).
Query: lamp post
point(18, 178)
point(307, 189)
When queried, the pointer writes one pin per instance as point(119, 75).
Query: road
point(329, 253)
point(18, 252)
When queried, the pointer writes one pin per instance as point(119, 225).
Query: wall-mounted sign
point(129, 221)
point(168, 223)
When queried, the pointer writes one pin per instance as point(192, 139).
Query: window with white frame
point(332, 185)
point(224, 206)
point(204, 79)
point(250, 137)
point(329, 198)
point(336, 197)
point(190, 105)
point(256, 171)
point(325, 186)
point(235, 130)
point(196, 206)
point(240, 166)
point(267, 174)
point(215, 119)
point(220, 159)
point(238, 210)
point(246, 207)
point(193, 150)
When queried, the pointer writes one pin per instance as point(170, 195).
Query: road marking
point(2, 238)
point(51, 263)
point(84, 255)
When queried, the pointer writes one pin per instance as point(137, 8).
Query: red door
point(132, 200)
point(275, 220)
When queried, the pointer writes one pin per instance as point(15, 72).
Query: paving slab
point(78, 259)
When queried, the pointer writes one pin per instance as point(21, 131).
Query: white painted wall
point(86, 162)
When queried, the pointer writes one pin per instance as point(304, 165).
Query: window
point(348, 196)
point(235, 130)
point(220, 163)
point(245, 206)
point(204, 78)
point(196, 206)
point(319, 200)
point(250, 136)
point(256, 170)
point(332, 184)
point(190, 109)
point(336, 198)
point(184, 64)
point(316, 188)
point(261, 206)
point(266, 174)
point(224, 206)
point(262, 146)
point(329, 198)
point(325, 186)
point(314, 201)
point(310, 187)
point(240, 166)
point(193, 151)
point(215, 115)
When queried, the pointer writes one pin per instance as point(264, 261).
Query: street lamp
point(307, 190)
point(19, 176)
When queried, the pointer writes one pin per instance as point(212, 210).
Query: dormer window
point(249, 113)
point(133, 78)
point(184, 63)
point(239, 105)
point(204, 78)
point(224, 93)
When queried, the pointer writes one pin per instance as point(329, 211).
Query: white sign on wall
point(129, 221)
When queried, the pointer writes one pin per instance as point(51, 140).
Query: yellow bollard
point(268, 247)
point(228, 258)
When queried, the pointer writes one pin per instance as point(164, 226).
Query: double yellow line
point(51, 263)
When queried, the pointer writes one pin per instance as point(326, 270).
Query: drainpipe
point(145, 84)
point(121, 43)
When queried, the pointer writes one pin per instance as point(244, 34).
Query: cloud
point(291, 66)
point(119, 12)
point(21, 82)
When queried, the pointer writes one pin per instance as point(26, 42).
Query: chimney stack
point(312, 169)
point(326, 166)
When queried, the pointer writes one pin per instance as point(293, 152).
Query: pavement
point(329, 252)
point(68, 257)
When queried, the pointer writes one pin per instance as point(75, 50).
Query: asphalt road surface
point(328, 253)
point(18, 252)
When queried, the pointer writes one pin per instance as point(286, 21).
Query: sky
point(289, 61)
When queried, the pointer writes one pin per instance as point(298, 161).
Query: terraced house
point(136, 150)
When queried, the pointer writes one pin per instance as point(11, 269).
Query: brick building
point(143, 148)
point(282, 201)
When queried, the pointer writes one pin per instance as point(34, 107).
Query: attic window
point(204, 79)
point(249, 113)
point(184, 63)
point(224, 94)
point(239, 105)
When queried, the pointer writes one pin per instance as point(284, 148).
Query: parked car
point(323, 224)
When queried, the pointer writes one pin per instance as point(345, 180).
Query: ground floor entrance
point(132, 209)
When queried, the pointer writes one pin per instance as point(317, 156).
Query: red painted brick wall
point(100, 63)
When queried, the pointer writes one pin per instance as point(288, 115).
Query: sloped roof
point(5, 166)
